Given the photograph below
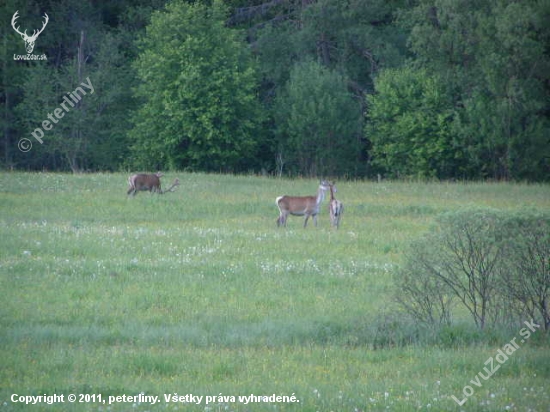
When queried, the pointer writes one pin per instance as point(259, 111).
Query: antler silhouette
point(29, 40)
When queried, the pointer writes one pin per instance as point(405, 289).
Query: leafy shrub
point(495, 264)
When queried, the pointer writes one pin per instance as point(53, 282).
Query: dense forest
point(445, 89)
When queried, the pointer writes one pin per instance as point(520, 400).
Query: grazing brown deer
point(335, 207)
point(148, 182)
point(301, 205)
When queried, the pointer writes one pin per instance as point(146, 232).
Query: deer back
point(296, 203)
point(143, 181)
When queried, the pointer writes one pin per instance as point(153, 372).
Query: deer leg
point(281, 221)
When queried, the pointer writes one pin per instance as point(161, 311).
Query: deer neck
point(320, 196)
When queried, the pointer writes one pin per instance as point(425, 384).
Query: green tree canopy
point(494, 56)
point(319, 122)
point(92, 135)
point(409, 125)
point(198, 91)
point(442, 88)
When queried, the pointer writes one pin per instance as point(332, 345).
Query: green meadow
point(198, 292)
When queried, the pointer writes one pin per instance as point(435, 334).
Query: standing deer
point(29, 40)
point(335, 207)
point(301, 205)
point(150, 182)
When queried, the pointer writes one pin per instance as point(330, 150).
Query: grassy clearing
point(198, 292)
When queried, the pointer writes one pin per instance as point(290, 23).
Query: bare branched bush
point(470, 248)
point(496, 264)
point(526, 266)
point(460, 258)
point(423, 296)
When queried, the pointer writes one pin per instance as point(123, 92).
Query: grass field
point(198, 292)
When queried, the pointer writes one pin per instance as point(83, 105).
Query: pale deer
point(29, 40)
point(335, 207)
point(148, 182)
point(301, 205)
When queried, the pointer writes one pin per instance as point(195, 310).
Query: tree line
point(445, 89)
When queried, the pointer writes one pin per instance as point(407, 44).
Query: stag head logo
point(29, 40)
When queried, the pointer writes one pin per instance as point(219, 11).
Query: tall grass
point(197, 291)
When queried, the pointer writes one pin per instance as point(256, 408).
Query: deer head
point(29, 40)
